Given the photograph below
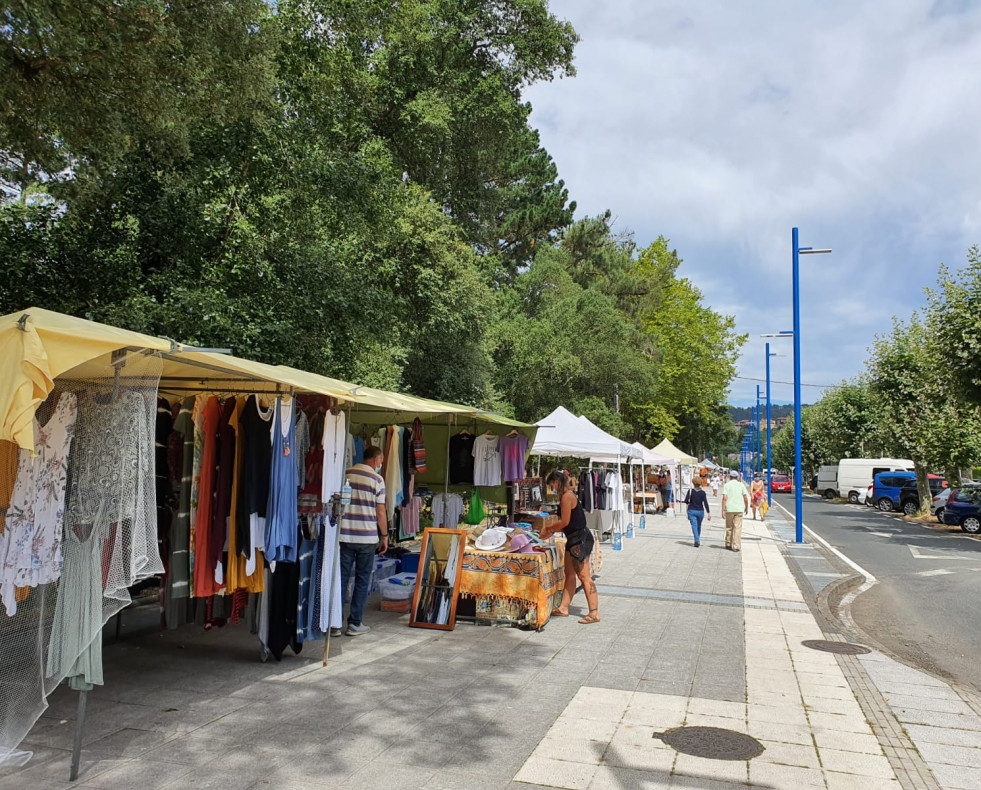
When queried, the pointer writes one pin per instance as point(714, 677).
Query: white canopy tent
point(563, 435)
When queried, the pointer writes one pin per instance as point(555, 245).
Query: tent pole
point(446, 481)
point(336, 554)
point(79, 728)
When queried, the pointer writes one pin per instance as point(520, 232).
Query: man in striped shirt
point(364, 532)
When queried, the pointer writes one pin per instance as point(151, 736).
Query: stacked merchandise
point(397, 592)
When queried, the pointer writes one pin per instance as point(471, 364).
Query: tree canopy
point(350, 188)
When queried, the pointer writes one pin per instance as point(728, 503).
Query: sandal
point(592, 617)
point(559, 613)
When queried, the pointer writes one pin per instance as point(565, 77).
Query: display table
point(518, 589)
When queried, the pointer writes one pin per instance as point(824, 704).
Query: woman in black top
point(578, 547)
point(698, 508)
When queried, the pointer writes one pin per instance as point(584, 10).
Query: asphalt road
point(926, 607)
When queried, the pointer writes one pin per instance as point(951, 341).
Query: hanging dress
point(253, 490)
point(110, 531)
point(204, 572)
point(281, 513)
point(30, 545)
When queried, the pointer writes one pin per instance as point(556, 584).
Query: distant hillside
point(745, 413)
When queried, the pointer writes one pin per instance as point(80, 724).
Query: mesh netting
point(67, 561)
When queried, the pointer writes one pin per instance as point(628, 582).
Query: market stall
point(563, 435)
point(127, 459)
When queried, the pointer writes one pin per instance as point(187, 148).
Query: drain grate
point(712, 742)
point(845, 648)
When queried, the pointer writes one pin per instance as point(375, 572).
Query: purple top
point(513, 450)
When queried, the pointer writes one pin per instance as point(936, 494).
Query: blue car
point(964, 509)
point(897, 491)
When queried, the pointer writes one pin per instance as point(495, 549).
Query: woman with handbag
point(578, 547)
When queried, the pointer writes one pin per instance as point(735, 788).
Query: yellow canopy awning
point(37, 346)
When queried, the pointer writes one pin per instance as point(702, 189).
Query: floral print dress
point(30, 546)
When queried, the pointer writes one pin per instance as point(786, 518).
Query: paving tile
point(380, 776)
point(839, 781)
point(145, 774)
point(948, 704)
point(957, 777)
point(955, 721)
point(855, 763)
point(837, 723)
point(782, 714)
point(770, 775)
point(716, 708)
point(781, 733)
point(848, 742)
point(718, 770)
point(921, 733)
point(641, 758)
point(556, 773)
point(950, 755)
point(577, 750)
point(789, 754)
point(616, 778)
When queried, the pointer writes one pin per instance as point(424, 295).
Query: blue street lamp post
point(798, 471)
point(759, 443)
point(769, 463)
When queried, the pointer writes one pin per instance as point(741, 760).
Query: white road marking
point(936, 572)
point(883, 534)
point(919, 555)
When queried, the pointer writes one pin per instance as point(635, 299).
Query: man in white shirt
point(735, 504)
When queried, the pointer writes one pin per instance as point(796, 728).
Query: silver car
point(939, 503)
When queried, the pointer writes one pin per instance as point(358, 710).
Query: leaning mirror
point(438, 579)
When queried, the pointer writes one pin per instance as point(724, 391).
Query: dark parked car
point(897, 491)
point(780, 484)
point(964, 509)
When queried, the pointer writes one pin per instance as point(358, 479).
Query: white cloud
point(721, 125)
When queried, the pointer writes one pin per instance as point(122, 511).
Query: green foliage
point(953, 317)
point(696, 350)
point(84, 83)
point(350, 188)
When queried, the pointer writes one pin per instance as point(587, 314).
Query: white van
point(827, 481)
point(855, 475)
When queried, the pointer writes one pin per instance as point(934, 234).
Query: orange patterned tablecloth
point(518, 588)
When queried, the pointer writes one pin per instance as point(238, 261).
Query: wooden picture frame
point(438, 579)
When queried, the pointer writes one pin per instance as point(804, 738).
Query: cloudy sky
point(722, 125)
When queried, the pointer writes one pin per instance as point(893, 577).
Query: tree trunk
point(923, 488)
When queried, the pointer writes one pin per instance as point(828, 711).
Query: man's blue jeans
point(695, 518)
point(357, 560)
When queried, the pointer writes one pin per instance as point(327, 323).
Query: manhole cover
point(712, 742)
point(845, 648)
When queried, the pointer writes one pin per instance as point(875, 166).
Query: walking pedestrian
point(735, 504)
point(715, 484)
point(756, 495)
point(578, 547)
point(663, 481)
point(698, 509)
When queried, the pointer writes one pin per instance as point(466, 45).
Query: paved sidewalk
point(695, 637)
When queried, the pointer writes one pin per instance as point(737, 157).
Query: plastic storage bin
point(410, 563)
point(397, 597)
